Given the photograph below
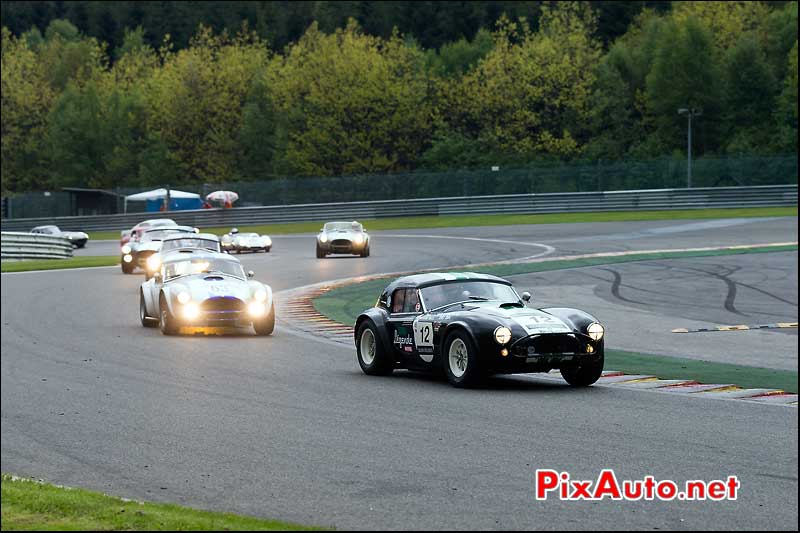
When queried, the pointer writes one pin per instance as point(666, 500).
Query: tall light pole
point(689, 112)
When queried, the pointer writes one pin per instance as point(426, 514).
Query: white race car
point(206, 289)
point(78, 239)
point(342, 238)
point(136, 251)
point(234, 241)
point(180, 242)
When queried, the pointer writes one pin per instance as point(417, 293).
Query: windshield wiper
point(480, 298)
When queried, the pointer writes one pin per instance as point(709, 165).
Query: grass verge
point(344, 304)
point(33, 506)
point(499, 220)
point(54, 264)
point(666, 367)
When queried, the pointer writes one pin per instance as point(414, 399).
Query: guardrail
point(18, 245)
point(700, 198)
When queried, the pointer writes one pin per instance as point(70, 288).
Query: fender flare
point(149, 306)
point(456, 326)
point(378, 317)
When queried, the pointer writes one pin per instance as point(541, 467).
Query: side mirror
point(526, 296)
point(250, 274)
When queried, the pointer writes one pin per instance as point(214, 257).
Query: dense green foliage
point(104, 94)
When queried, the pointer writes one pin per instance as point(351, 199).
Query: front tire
point(585, 374)
point(267, 325)
point(147, 321)
point(127, 268)
point(460, 359)
point(372, 358)
point(168, 323)
point(320, 252)
point(365, 251)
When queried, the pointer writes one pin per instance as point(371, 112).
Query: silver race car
point(343, 238)
point(206, 289)
point(136, 251)
point(77, 238)
point(180, 242)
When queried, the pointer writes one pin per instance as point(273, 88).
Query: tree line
point(347, 95)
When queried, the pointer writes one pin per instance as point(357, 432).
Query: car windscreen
point(189, 242)
point(198, 266)
point(160, 235)
point(249, 235)
point(447, 293)
point(343, 226)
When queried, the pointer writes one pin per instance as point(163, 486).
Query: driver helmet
point(234, 231)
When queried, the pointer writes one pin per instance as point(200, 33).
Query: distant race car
point(471, 325)
point(136, 252)
point(207, 289)
point(77, 238)
point(135, 232)
point(180, 242)
point(250, 242)
point(343, 238)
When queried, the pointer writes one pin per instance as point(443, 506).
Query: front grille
point(340, 242)
point(222, 303)
point(548, 344)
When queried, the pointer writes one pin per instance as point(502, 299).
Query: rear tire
point(372, 358)
point(168, 323)
point(460, 360)
point(585, 374)
point(267, 325)
point(147, 321)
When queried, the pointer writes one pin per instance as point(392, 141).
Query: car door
point(402, 312)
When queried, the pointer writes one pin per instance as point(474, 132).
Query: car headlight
point(127, 258)
point(184, 297)
point(125, 249)
point(358, 239)
point(191, 311)
point(153, 263)
point(502, 335)
point(323, 238)
point(256, 308)
point(595, 331)
point(260, 295)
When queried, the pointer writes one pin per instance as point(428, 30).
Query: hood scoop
point(214, 278)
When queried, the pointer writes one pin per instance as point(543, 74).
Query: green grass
point(344, 304)
point(499, 220)
point(33, 506)
point(667, 367)
point(53, 264)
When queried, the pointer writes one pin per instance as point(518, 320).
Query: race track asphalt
point(288, 427)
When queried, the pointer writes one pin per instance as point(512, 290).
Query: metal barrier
point(18, 245)
point(700, 198)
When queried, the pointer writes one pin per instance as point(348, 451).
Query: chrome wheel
point(458, 358)
point(367, 345)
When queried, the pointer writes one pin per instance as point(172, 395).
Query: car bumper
point(541, 353)
point(348, 247)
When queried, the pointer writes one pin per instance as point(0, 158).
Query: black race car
point(472, 325)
